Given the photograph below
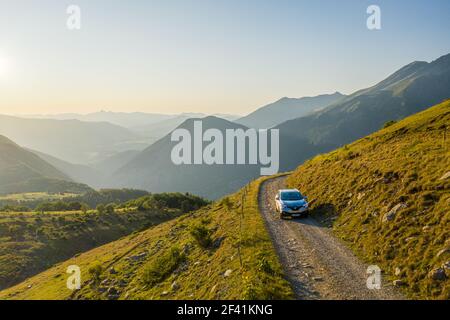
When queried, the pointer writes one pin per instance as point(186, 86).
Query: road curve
point(317, 264)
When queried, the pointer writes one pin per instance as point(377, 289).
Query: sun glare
point(4, 66)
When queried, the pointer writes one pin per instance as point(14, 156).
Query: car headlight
point(284, 206)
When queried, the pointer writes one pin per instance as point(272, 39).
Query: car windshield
point(291, 196)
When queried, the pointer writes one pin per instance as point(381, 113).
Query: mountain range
point(413, 88)
point(287, 109)
point(70, 140)
point(23, 171)
point(102, 154)
point(153, 170)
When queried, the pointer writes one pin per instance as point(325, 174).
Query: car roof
point(289, 190)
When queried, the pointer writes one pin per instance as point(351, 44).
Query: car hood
point(296, 203)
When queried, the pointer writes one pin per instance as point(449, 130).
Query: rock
point(360, 195)
point(105, 282)
point(213, 289)
point(445, 176)
point(175, 286)
point(218, 242)
point(138, 257)
point(317, 278)
point(398, 283)
point(389, 216)
point(437, 274)
point(112, 291)
point(187, 248)
point(196, 263)
point(122, 283)
point(442, 252)
point(112, 271)
point(29, 286)
point(164, 293)
point(398, 271)
point(113, 296)
point(426, 228)
point(227, 273)
point(446, 265)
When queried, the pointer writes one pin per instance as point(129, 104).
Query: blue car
point(291, 203)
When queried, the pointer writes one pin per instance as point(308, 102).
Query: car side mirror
point(277, 197)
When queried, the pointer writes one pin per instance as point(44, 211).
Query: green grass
point(353, 188)
point(159, 269)
point(33, 196)
point(240, 263)
point(32, 242)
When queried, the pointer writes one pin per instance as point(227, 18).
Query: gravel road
point(317, 264)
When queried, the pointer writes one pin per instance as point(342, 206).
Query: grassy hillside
point(92, 198)
point(31, 242)
point(220, 252)
point(388, 196)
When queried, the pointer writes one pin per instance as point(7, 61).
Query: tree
point(101, 208)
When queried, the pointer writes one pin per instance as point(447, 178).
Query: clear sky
point(227, 56)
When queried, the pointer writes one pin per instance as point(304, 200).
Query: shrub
point(110, 208)
point(161, 268)
point(202, 235)
point(389, 123)
point(95, 271)
point(101, 208)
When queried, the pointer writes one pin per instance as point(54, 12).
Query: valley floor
point(317, 264)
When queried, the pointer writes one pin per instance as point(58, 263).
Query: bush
point(202, 235)
point(12, 208)
point(161, 268)
point(110, 208)
point(389, 123)
point(185, 202)
point(60, 206)
point(101, 208)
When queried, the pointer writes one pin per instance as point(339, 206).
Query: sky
point(215, 56)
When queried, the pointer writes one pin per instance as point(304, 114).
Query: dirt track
point(318, 265)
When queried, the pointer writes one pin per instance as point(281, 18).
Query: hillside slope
point(196, 256)
point(70, 140)
point(23, 171)
point(77, 172)
point(31, 242)
point(388, 196)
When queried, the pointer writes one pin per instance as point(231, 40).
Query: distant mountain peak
point(287, 109)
